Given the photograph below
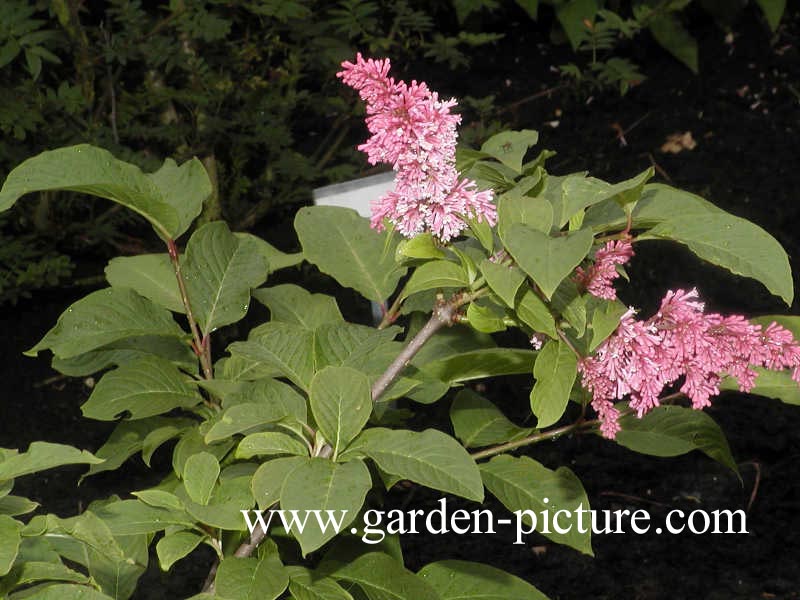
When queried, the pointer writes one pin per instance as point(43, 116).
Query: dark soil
point(744, 117)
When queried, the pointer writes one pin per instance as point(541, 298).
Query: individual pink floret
point(599, 279)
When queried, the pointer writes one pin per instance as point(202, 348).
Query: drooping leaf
point(734, 244)
point(548, 260)
point(436, 275)
point(251, 578)
point(430, 458)
point(134, 517)
point(341, 401)
point(385, 578)
point(220, 270)
point(670, 33)
point(143, 388)
point(555, 370)
point(675, 430)
point(463, 580)
point(342, 244)
point(290, 303)
point(523, 484)
point(104, 317)
point(41, 456)
point(477, 422)
point(90, 170)
point(150, 275)
point(321, 485)
point(479, 364)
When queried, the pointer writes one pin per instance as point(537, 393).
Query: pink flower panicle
point(681, 340)
point(599, 279)
point(414, 131)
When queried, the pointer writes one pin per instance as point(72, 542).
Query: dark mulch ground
point(744, 118)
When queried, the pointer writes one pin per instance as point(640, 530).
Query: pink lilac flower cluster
point(599, 279)
point(414, 131)
point(681, 340)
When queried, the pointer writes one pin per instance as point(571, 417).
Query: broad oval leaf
point(510, 147)
point(220, 270)
point(307, 585)
point(146, 387)
point(41, 456)
point(150, 275)
point(436, 275)
point(342, 244)
point(463, 580)
point(320, 485)
point(735, 244)
point(290, 303)
point(505, 281)
point(175, 546)
point(523, 484)
point(548, 260)
point(477, 422)
point(251, 578)
point(270, 443)
point(269, 478)
point(9, 542)
point(200, 475)
point(479, 364)
point(430, 458)
point(384, 577)
point(675, 430)
point(104, 317)
point(341, 401)
point(555, 370)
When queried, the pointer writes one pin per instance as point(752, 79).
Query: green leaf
point(288, 348)
point(129, 437)
point(773, 11)
point(735, 244)
point(191, 442)
point(341, 401)
point(435, 275)
point(487, 318)
point(150, 275)
point(770, 384)
point(89, 170)
point(422, 246)
point(321, 485)
point(479, 364)
point(41, 456)
point(306, 585)
point(28, 572)
point(532, 311)
point(673, 37)
point(430, 458)
point(200, 475)
point(579, 192)
point(522, 484)
point(159, 499)
point(270, 443)
point(462, 580)
point(220, 270)
point(175, 546)
point(223, 511)
point(477, 422)
point(555, 370)
point(268, 480)
point(143, 388)
point(279, 402)
point(134, 517)
point(274, 258)
point(548, 260)
point(9, 542)
point(185, 188)
point(104, 317)
point(14, 506)
point(342, 244)
point(251, 578)
point(605, 320)
point(514, 208)
point(572, 14)
point(67, 591)
point(384, 578)
point(675, 430)
point(505, 281)
point(510, 147)
point(290, 303)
